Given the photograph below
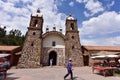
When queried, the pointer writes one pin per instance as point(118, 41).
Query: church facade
point(39, 48)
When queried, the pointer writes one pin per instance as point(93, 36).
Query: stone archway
point(53, 55)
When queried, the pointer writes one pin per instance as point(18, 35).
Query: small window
point(72, 37)
point(53, 43)
point(73, 47)
point(32, 44)
point(34, 33)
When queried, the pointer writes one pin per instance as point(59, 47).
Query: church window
point(32, 44)
point(53, 43)
point(73, 47)
point(72, 26)
point(72, 37)
point(34, 33)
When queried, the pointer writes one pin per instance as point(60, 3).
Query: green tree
point(2, 32)
point(15, 33)
point(15, 37)
point(2, 35)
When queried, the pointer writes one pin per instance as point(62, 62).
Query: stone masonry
point(73, 47)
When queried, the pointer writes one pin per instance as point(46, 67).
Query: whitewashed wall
point(47, 42)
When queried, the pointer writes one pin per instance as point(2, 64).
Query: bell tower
point(31, 52)
point(73, 46)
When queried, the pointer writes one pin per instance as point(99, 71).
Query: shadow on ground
point(108, 74)
point(74, 78)
point(11, 78)
point(7, 77)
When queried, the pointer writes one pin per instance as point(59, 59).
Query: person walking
point(69, 69)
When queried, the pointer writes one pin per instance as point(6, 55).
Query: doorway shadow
point(52, 58)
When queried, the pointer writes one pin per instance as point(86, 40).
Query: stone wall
point(73, 48)
point(29, 59)
point(31, 52)
point(60, 55)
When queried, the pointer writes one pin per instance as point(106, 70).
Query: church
point(39, 48)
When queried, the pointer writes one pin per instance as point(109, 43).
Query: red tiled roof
point(8, 48)
point(114, 48)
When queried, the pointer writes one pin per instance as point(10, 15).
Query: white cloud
point(13, 1)
point(71, 4)
point(111, 4)
point(19, 17)
point(114, 41)
point(58, 2)
point(93, 7)
point(87, 14)
point(26, 1)
point(82, 1)
point(104, 23)
point(98, 30)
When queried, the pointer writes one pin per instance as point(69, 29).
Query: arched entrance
point(53, 55)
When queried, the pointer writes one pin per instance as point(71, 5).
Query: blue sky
point(98, 20)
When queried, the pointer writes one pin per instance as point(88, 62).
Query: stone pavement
point(55, 73)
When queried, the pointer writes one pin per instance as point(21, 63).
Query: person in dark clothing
point(69, 69)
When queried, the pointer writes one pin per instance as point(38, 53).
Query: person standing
point(69, 69)
point(51, 62)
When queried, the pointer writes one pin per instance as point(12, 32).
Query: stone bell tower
point(73, 46)
point(32, 49)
